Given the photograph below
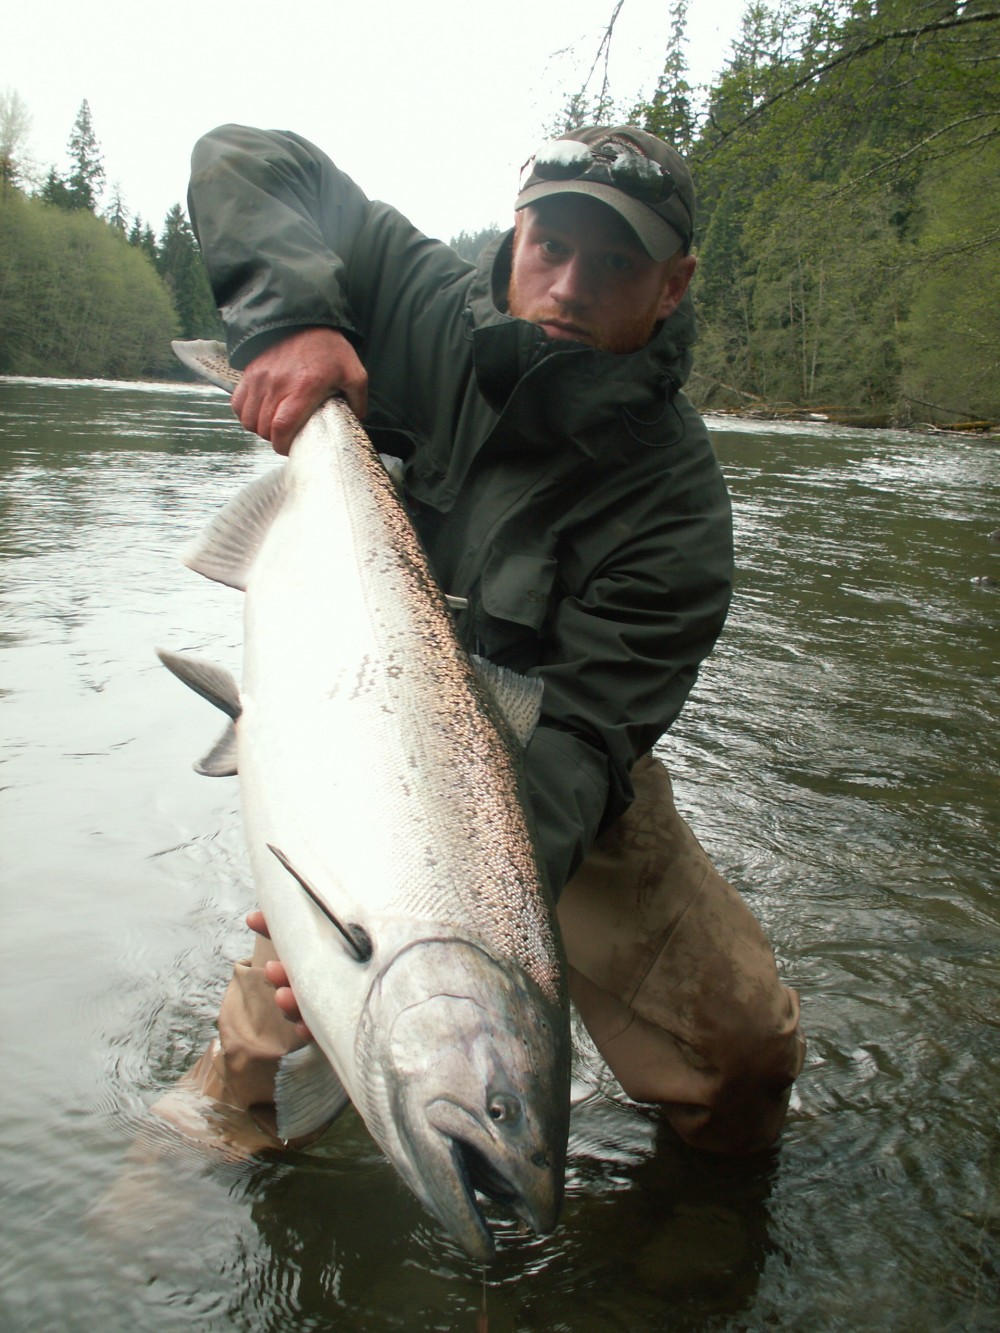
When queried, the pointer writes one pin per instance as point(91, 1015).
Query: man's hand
point(278, 977)
point(282, 387)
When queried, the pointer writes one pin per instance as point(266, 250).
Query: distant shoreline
point(758, 411)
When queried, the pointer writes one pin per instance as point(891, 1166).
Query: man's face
point(579, 272)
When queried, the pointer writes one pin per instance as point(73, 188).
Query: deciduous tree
point(15, 124)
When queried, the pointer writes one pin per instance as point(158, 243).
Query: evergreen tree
point(55, 191)
point(179, 263)
point(143, 238)
point(116, 214)
point(86, 177)
point(468, 244)
point(670, 113)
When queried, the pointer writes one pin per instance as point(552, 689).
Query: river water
point(838, 759)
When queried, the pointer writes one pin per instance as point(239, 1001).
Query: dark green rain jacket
point(571, 495)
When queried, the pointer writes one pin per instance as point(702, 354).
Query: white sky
point(433, 107)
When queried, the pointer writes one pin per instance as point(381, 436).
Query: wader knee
point(675, 981)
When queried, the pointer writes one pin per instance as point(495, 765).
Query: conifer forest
point(847, 165)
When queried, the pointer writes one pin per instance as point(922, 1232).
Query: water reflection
point(838, 760)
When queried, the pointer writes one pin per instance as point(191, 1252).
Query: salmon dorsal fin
point(227, 548)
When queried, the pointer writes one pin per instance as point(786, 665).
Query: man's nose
point(571, 285)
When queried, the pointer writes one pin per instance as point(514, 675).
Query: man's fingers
point(356, 394)
point(257, 923)
point(285, 1001)
point(289, 418)
point(274, 971)
point(284, 385)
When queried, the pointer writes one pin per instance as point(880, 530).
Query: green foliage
point(951, 338)
point(824, 322)
point(143, 237)
point(86, 296)
point(74, 298)
point(179, 263)
point(848, 171)
point(670, 112)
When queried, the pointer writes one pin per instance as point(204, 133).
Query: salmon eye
point(503, 1109)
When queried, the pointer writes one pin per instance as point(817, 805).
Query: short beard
point(629, 338)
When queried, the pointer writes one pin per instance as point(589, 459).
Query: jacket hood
point(591, 388)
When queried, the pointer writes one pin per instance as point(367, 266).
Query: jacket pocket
point(517, 587)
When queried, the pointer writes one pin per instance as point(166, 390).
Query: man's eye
point(618, 262)
point(552, 247)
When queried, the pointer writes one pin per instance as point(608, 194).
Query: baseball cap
point(641, 177)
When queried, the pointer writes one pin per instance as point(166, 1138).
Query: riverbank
point(861, 420)
point(720, 399)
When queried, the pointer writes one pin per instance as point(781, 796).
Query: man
point(564, 486)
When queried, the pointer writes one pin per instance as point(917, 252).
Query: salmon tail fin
point(209, 360)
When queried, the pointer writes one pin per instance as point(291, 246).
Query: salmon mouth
point(469, 1170)
point(479, 1181)
point(480, 1176)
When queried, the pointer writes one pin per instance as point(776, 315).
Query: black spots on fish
point(365, 680)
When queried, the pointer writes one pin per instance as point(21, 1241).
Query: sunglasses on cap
point(629, 171)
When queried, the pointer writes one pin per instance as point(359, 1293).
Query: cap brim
point(657, 237)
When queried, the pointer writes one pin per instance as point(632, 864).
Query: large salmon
point(379, 781)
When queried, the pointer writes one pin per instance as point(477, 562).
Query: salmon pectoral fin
point(215, 684)
point(220, 761)
point(308, 1095)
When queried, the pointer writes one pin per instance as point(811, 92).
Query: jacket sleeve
point(290, 241)
point(276, 221)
